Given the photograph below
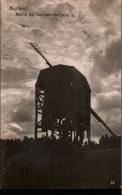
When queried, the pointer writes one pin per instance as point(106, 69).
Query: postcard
point(60, 94)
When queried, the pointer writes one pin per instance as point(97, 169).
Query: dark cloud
point(64, 8)
point(38, 33)
point(108, 103)
point(109, 62)
point(110, 30)
point(100, 8)
point(24, 111)
point(96, 84)
point(13, 75)
point(104, 73)
point(18, 113)
point(7, 57)
point(24, 26)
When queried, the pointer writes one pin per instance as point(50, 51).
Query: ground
point(61, 166)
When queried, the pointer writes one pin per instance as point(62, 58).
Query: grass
point(61, 166)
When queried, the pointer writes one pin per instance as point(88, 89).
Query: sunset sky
point(88, 39)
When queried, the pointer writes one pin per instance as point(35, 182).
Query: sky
point(87, 37)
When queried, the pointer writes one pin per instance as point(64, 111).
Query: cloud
point(109, 62)
point(104, 8)
point(108, 107)
point(16, 126)
point(13, 75)
point(13, 130)
point(109, 102)
point(105, 74)
point(24, 111)
point(18, 116)
point(105, 84)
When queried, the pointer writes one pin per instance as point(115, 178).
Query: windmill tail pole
point(101, 123)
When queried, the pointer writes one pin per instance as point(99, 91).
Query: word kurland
point(18, 8)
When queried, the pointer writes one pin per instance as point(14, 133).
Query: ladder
point(101, 123)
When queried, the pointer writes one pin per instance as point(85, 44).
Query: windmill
point(63, 103)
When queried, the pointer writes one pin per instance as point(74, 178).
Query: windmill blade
point(36, 47)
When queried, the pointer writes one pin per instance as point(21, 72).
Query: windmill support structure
point(39, 102)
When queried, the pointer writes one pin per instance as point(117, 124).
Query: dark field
point(60, 165)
